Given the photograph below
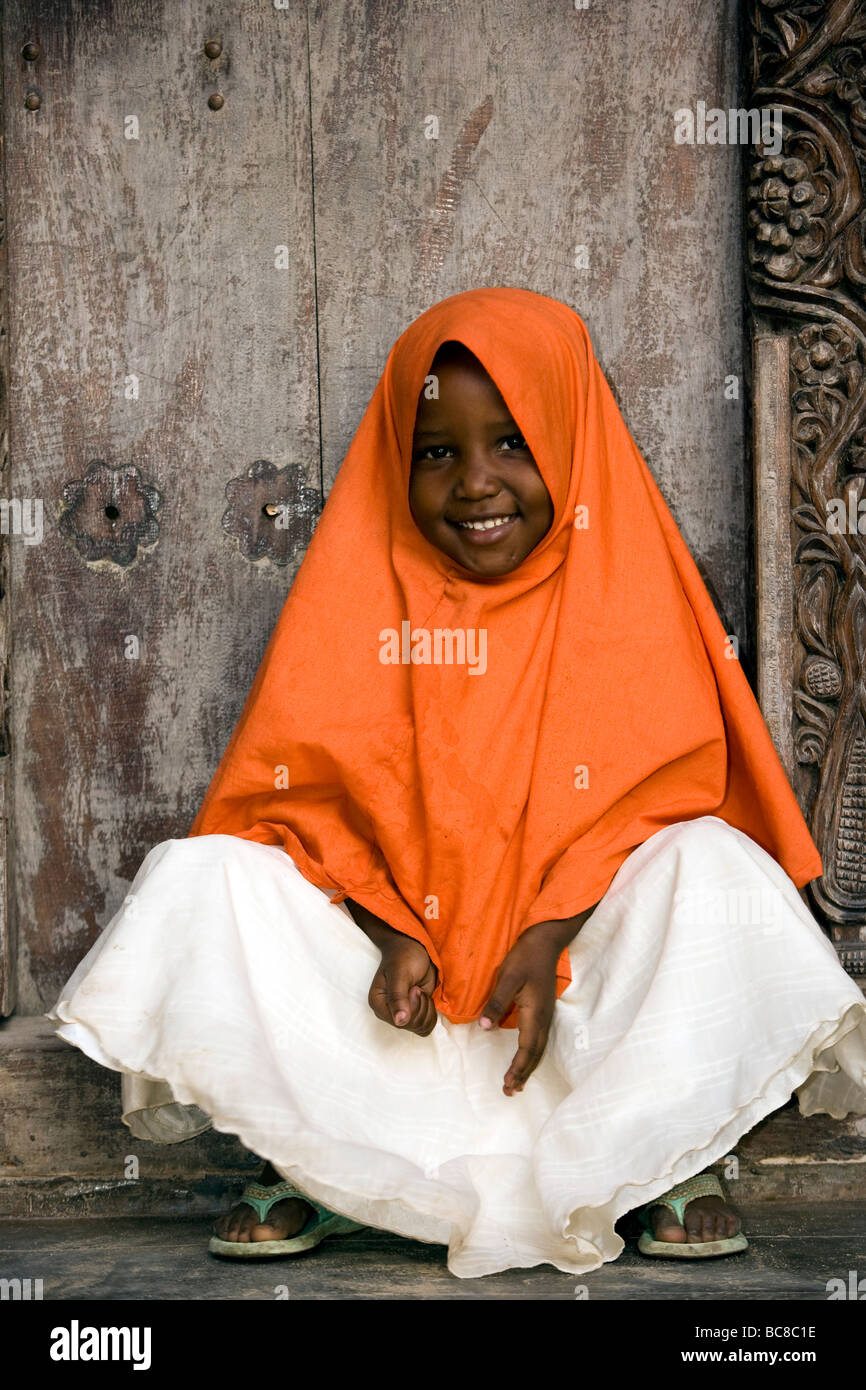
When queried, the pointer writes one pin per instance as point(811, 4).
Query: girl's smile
point(475, 490)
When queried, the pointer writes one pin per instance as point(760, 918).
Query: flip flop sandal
point(678, 1198)
point(322, 1223)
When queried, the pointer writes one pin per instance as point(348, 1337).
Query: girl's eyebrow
point(437, 434)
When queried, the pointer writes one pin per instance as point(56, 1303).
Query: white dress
point(703, 994)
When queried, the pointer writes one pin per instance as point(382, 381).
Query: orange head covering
point(460, 805)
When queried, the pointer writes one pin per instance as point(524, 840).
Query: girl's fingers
point(420, 1004)
point(376, 998)
point(387, 996)
point(520, 1070)
point(506, 989)
point(425, 1019)
point(531, 1042)
point(398, 993)
point(416, 1004)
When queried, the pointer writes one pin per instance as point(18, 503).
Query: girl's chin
point(484, 557)
point(487, 563)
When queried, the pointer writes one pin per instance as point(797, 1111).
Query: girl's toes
point(704, 1226)
point(695, 1227)
point(265, 1232)
point(666, 1227)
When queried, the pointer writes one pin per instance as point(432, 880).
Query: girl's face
point(471, 465)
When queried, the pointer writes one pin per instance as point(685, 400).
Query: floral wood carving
point(271, 511)
point(806, 232)
point(110, 513)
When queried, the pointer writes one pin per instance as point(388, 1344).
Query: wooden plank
point(775, 605)
point(8, 933)
point(151, 259)
point(63, 1159)
point(794, 1250)
point(556, 130)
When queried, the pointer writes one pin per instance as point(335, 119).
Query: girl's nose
point(477, 475)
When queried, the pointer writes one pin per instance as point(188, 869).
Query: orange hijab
point(450, 802)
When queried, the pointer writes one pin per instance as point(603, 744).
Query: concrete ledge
point(795, 1249)
point(64, 1151)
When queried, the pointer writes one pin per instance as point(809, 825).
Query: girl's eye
point(432, 451)
point(436, 452)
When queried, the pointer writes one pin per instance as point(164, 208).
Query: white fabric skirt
point(230, 990)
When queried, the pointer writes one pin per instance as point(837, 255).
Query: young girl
point(487, 931)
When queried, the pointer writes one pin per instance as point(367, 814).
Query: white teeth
point(484, 525)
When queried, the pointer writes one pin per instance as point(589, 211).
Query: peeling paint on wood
point(151, 327)
point(8, 933)
point(555, 131)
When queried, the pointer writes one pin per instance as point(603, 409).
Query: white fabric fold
point(229, 990)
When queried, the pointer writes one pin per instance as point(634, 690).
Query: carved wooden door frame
point(806, 279)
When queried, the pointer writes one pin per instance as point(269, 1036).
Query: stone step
point(64, 1150)
point(797, 1252)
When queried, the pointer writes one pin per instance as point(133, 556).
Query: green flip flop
point(322, 1223)
point(678, 1198)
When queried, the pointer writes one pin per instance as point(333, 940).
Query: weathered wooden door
point(217, 221)
point(162, 334)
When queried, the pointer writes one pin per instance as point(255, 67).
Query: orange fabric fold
point(464, 806)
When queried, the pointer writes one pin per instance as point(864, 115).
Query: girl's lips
point(487, 536)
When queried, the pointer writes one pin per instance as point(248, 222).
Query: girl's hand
point(402, 986)
point(527, 978)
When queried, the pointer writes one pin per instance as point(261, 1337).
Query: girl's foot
point(707, 1218)
point(285, 1219)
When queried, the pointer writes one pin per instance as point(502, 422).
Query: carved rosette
point(109, 515)
point(271, 512)
point(806, 247)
